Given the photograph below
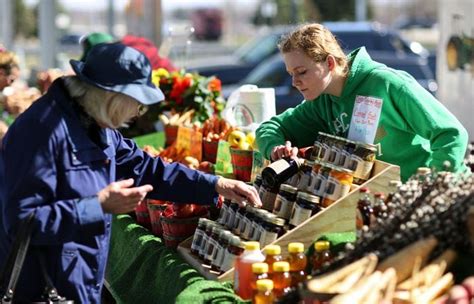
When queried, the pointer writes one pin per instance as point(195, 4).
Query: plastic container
point(260, 272)
point(272, 255)
point(281, 278)
point(243, 269)
point(297, 261)
point(264, 293)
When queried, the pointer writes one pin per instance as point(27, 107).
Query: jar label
point(299, 215)
point(222, 215)
point(197, 240)
point(217, 254)
point(247, 229)
point(285, 208)
point(345, 159)
point(204, 245)
point(230, 218)
point(335, 190)
point(210, 250)
point(361, 167)
point(254, 233)
point(320, 185)
point(325, 151)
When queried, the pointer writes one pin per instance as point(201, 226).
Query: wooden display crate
point(339, 217)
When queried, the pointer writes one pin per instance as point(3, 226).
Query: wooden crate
point(339, 217)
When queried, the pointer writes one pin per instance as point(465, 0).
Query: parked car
point(232, 69)
point(272, 73)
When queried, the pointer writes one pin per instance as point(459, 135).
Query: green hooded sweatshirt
point(414, 129)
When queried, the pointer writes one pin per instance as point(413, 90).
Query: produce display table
point(142, 270)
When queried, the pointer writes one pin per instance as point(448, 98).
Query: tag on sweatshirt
point(365, 119)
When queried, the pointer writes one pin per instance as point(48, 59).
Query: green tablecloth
point(142, 270)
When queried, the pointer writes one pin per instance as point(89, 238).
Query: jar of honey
point(281, 278)
point(297, 261)
point(272, 255)
point(260, 272)
point(338, 185)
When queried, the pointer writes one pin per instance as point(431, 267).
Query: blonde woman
point(411, 127)
point(64, 159)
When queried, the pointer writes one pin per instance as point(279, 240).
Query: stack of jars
point(284, 273)
point(358, 157)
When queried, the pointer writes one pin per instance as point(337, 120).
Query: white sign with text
point(365, 119)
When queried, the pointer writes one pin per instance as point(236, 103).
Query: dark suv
point(234, 68)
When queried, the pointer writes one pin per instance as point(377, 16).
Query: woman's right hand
point(283, 151)
point(120, 197)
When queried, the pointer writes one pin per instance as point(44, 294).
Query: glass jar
point(239, 219)
point(205, 239)
point(321, 179)
point(273, 228)
point(268, 196)
point(338, 185)
point(347, 151)
point(264, 216)
point(199, 235)
point(234, 249)
point(306, 206)
point(304, 182)
point(223, 214)
point(257, 220)
point(284, 201)
point(246, 227)
point(232, 212)
point(222, 244)
point(337, 145)
point(362, 162)
point(213, 243)
point(315, 155)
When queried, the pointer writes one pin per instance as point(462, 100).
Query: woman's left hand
point(238, 191)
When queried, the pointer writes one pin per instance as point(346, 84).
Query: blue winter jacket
point(49, 164)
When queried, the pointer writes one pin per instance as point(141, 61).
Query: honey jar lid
point(259, 268)
point(252, 245)
point(272, 250)
point(281, 267)
point(295, 247)
point(264, 285)
point(321, 245)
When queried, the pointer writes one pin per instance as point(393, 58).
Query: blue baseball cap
point(121, 69)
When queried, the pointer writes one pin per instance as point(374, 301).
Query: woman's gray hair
point(107, 108)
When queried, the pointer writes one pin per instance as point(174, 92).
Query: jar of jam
point(321, 179)
point(199, 235)
point(284, 201)
point(347, 151)
point(222, 244)
point(222, 219)
point(306, 206)
point(246, 227)
point(268, 196)
point(213, 243)
point(362, 162)
point(315, 155)
point(335, 149)
point(304, 182)
point(234, 249)
point(325, 154)
point(338, 185)
point(238, 221)
point(205, 239)
point(232, 212)
point(273, 228)
point(264, 216)
point(257, 220)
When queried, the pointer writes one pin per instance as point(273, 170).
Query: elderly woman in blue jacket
point(64, 159)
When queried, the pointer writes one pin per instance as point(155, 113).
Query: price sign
point(223, 161)
point(365, 119)
point(190, 142)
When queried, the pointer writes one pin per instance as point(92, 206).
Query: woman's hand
point(283, 151)
point(119, 197)
point(238, 191)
